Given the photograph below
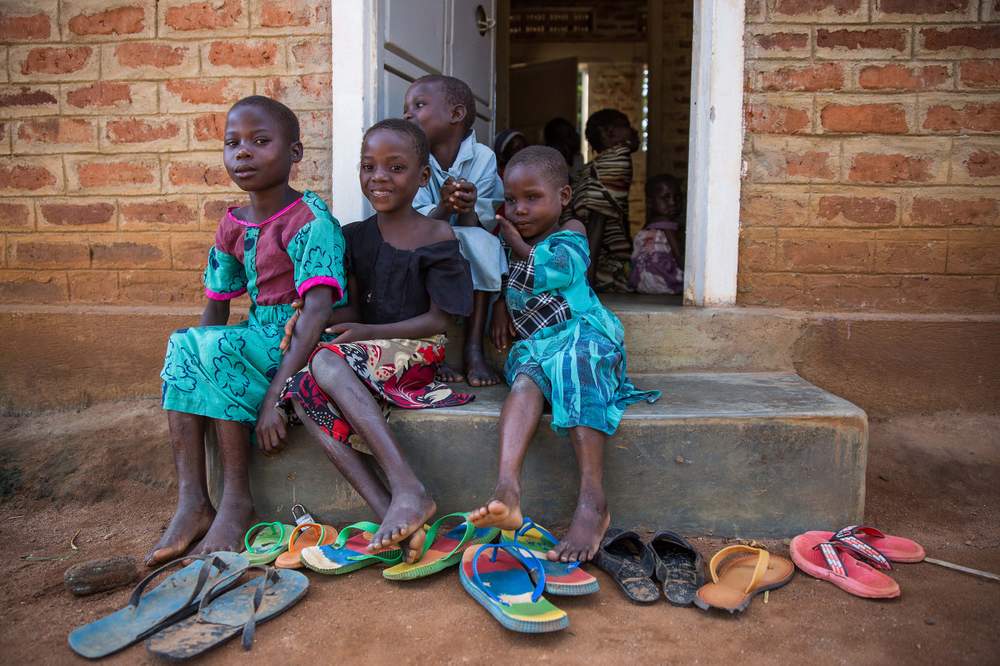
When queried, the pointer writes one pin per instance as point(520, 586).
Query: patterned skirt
point(399, 373)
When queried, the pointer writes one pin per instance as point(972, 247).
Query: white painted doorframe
point(716, 135)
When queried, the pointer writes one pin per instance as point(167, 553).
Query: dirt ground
point(104, 474)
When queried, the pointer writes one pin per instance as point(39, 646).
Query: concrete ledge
point(762, 454)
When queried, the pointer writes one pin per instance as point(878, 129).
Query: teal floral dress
point(568, 343)
point(223, 372)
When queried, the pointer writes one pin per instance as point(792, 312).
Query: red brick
point(971, 117)
point(93, 286)
point(134, 60)
point(974, 252)
point(312, 172)
point(190, 174)
point(190, 251)
point(780, 206)
point(115, 21)
point(204, 17)
point(816, 10)
point(291, 14)
point(113, 175)
point(209, 127)
point(976, 161)
point(144, 133)
point(315, 128)
point(36, 175)
point(309, 91)
point(925, 10)
point(825, 251)
point(212, 209)
point(160, 214)
point(310, 54)
point(855, 42)
point(203, 94)
point(794, 160)
point(25, 100)
point(27, 21)
point(949, 293)
point(105, 96)
point(48, 62)
point(75, 215)
point(809, 78)
point(16, 215)
point(903, 77)
point(864, 118)
point(161, 287)
point(33, 287)
point(835, 210)
point(48, 251)
point(240, 56)
point(941, 211)
point(771, 289)
point(141, 54)
point(889, 168)
point(965, 40)
point(983, 163)
point(55, 135)
point(131, 251)
point(887, 161)
point(781, 41)
point(851, 292)
point(757, 249)
point(979, 74)
point(910, 251)
point(767, 118)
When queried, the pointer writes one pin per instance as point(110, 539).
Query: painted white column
point(354, 26)
point(715, 153)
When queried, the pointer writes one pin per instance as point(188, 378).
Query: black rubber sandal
point(679, 567)
point(630, 563)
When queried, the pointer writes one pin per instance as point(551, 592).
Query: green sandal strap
point(277, 528)
point(432, 533)
point(371, 528)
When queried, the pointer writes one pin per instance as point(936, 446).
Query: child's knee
point(326, 367)
point(524, 384)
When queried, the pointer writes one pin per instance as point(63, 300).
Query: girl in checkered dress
point(568, 349)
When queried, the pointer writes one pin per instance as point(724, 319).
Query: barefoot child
point(465, 190)
point(406, 279)
point(569, 350)
point(283, 246)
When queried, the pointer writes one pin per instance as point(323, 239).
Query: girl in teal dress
point(568, 350)
point(283, 246)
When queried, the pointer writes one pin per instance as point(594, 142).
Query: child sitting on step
point(657, 254)
point(568, 351)
point(407, 278)
point(465, 190)
point(283, 246)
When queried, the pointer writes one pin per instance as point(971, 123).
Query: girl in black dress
point(405, 279)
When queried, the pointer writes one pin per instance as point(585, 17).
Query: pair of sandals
point(666, 564)
point(194, 609)
point(870, 554)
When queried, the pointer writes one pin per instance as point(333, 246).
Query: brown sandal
point(737, 578)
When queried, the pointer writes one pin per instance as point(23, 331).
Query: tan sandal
point(737, 578)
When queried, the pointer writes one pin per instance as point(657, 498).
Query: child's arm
point(432, 322)
point(502, 327)
point(308, 328)
point(518, 247)
point(675, 247)
point(216, 313)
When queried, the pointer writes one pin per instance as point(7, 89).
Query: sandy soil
point(104, 475)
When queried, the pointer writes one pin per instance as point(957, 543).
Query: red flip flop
point(861, 540)
point(819, 558)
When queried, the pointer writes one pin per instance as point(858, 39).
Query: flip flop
point(509, 585)
point(223, 613)
point(862, 539)
point(565, 579)
point(350, 554)
point(266, 541)
point(819, 558)
point(737, 578)
point(176, 597)
point(679, 567)
point(299, 539)
point(441, 552)
point(630, 563)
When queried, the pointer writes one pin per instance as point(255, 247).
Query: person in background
point(657, 251)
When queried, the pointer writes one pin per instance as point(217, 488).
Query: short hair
point(671, 181)
point(286, 118)
point(600, 120)
point(549, 161)
point(412, 131)
point(558, 129)
point(456, 91)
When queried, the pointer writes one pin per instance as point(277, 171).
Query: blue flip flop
point(173, 599)
point(561, 578)
point(223, 613)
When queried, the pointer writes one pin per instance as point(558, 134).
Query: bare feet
point(230, 524)
point(407, 513)
point(448, 375)
point(590, 522)
point(478, 371)
point(190, 522)
point(413, 545)
point(503, 511)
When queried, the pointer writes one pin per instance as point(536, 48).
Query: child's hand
point(502, 326)
point(448, 189)
point(286, 340)
point(508, 231)
point(463, 199)
point(270, 429)
point(350, 332)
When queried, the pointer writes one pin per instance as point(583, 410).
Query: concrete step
point(729, 454)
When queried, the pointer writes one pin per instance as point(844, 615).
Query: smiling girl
point(283, 246)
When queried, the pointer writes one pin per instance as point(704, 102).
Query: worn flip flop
point(862, 540)
point(679, 567)
point(223, 613)
point(441, 551)
point(266, 541)
point(176, 597)
point(509, 584)
point(565, 579)
point(349, 554)
point(630, 563)
point(737, 577)
point(819, 558)
point(305, 535)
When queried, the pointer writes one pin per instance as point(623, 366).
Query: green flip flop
point(441, 552)
point(349, 553)
point(265, 541)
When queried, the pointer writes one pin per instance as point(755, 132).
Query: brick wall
point(873, 154)
point(111, 120)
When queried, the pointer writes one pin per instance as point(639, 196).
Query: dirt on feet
point(98, 482)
